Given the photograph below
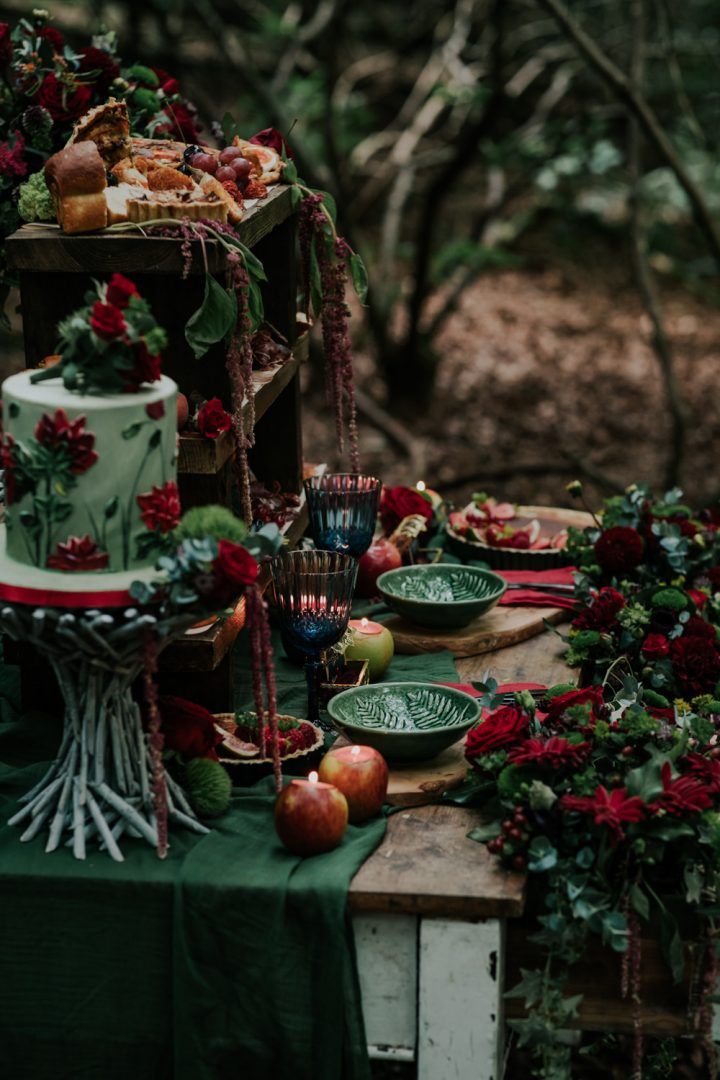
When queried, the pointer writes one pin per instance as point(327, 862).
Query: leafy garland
point(609, 795)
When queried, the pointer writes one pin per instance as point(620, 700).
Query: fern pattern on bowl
point(451, 585)
point(420, 709)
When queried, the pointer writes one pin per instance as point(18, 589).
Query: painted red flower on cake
point(57, 432)
point(160, 508)
point(78, 554)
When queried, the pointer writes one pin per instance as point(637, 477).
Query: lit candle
point(310, 816)
point(420, 486)
point(361, 773)
point(373, 642)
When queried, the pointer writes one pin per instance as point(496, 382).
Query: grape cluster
point(230, 165)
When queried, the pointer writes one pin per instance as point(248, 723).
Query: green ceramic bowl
point(444, 597)
point(405, 721)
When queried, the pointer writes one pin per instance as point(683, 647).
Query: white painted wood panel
point(387, 958)
point(460, 1000)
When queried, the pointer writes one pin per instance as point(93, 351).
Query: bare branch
point(618, 82)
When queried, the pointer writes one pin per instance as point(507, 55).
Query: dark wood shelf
point(45, 249)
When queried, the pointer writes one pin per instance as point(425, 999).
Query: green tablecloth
point(231, 959)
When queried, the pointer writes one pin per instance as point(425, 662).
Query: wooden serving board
point(500, 627)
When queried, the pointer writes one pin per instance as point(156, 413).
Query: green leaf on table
point(359, 277)
point(213, 320)
point(487, 831)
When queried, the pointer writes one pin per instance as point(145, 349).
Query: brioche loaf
point(76, 179)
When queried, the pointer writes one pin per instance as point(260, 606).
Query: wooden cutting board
point(500, 627)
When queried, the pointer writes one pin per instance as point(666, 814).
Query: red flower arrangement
point(619, 550)
point(655, 647)
point(57, 432)
point(588, 695)
point(602, 612)
point(160, 508)
point(212, 419)
point(234, 569)
point(63, 97)
point(78, 554)
point(681, 796)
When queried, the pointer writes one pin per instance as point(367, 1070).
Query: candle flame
point(364, 623)
point(313, 777)
point(420, 485)
point(355, 751)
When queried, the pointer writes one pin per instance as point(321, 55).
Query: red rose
point(274, 139)
point(684, 795)
point(119, 291)
point(58, 433)
point(619, 550)
point(63, 102)
point(587, 695)
point(555, 752)
point(611, 808)
point(213, 419)
point(234, 568)
point(77, 554)
point(503, 727)
point(696, 664)
point(602, 613)
point(6, 46)
point(160, 508)
point(397, 503)
point(170, 87)
point(148, 368)
point(188, 728)
point(698, 598)
point(655, 647)
point(155, 410)
point(100, 62)
point(107, 321)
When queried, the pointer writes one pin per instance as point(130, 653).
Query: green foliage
point(35, 202)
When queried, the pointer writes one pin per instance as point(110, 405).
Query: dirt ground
point(548, 368)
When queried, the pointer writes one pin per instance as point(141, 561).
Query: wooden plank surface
point(427, 866)
point(537, 660)
point(42, 248)
point(499, 628)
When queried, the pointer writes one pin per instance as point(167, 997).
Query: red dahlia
point(611, 808)
point(98, 61)
point(704, 769)
point(684, 795)
point(397, 503)
point(555, 752)
point(160, 508)
point(58, 433)
point(63, 100)
point(602, 612)
point(696, 664)
point(77, 554)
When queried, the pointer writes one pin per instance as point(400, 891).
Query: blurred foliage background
point(478, 150)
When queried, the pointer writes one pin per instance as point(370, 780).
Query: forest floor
point(551, 369)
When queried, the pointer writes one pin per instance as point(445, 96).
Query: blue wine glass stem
point(313, 669)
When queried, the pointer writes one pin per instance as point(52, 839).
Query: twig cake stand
point(107, 777)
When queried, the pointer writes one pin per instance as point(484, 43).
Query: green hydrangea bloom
point(215, 521)
point(208, 786)
point(634, 618)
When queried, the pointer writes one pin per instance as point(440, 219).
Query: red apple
point(183, 411)
point(361, 773)
point(382, 555)
point(310, 817)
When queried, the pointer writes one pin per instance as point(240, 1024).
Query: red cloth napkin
point(563, 575)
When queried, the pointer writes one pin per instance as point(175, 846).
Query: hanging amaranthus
point(261, 661)
point(326, 260)
point(156, 741)
point(239, 368)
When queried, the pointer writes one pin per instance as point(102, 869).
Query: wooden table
point(430, 909)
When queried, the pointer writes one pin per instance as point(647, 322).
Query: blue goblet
point(313, 592)
point(342, 509)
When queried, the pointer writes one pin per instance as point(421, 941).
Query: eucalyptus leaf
point(213, 320)
point(639, 901)
point(488, 831)
point(359, 277)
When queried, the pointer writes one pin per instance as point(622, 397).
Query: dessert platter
point(106, 176)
